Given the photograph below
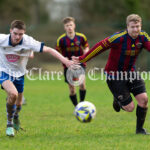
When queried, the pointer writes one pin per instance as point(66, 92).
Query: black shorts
point(65, 71)
point(122, 89)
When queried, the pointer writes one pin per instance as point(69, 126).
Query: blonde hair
point(68, 19)
point(133, 17)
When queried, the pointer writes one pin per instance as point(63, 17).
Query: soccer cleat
point(10, 131)
point(142, 131)
point(16, 124)
point(116, 105)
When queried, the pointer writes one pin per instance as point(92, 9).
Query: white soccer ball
point(85, 111)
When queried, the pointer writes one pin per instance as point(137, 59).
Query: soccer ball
point(85, 111)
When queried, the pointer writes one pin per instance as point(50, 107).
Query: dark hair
point(18, 24)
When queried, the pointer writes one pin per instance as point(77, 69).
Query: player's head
point(17, 29)
point(69, 24)
point(134, 24)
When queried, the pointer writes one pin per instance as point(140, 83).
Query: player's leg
point(129, 106)
point(16, 121)
point(125, 102)
point(73, 96)
point(12, 95)
point(141, 112)
point(116, 105)
point(139, 91)
point(24, 101)
point(72, 90)
point(82, 91)
point(121, 94)
point(19, 84)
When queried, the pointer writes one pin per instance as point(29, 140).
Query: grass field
point(50, 124)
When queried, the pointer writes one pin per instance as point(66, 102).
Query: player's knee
point(72, 91)
point(144, 101)
point(13, 97)
point(82, 87)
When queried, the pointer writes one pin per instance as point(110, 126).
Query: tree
point(27, 10)
point(108, 10)
point(103, 10)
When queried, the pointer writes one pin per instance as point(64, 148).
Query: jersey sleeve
point(58, 46)
point(33, 44)
point(95, 50)
point(109, 42)
point(3, 38)
point(85, 41)
point(146, 44)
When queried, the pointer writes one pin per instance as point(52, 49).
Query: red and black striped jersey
point(72, 47)
point(123, 53)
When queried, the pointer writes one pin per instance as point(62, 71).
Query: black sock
point(82, 95)
point(141, 115)
point(74, 99)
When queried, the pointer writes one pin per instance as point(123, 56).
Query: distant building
point(59, 9)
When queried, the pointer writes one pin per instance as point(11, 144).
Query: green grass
point(50, 124)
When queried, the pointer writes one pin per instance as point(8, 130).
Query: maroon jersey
point(123, 53)
point(72, 47)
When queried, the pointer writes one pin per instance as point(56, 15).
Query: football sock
point(74, 99)
point(16, 114)
point(10, 111)
point(82, 95)
point(141, 115)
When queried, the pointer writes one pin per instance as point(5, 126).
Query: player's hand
point(75, 59)
point(69, 63)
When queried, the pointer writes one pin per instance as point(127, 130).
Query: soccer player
point(15, 49)
point(122, 79)
point(71, 44)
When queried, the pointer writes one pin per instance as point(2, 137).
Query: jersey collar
point(10, 43)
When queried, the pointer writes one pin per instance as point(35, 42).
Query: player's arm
point(85, 44)
point(31, 55)
point(146, 41)
point(95, 50)
point(147, 45)
point(58, 45)
point(57, 55)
